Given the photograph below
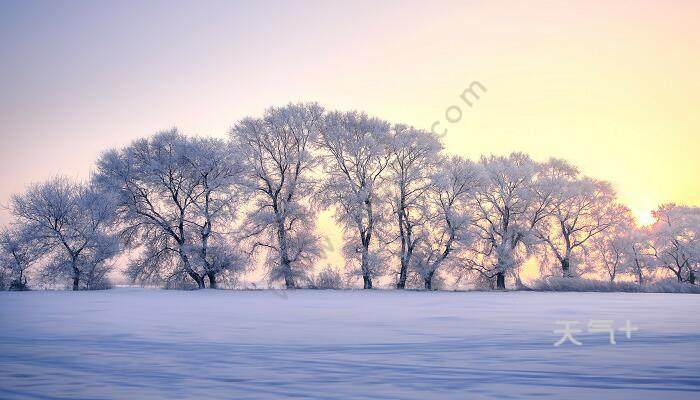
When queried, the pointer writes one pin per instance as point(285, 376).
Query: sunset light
point(349, 199)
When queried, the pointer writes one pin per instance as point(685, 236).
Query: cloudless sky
point(612, 86)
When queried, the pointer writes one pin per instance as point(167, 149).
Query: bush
point(18, 286)
point(557, 284)
point(328, 278)
point(672, 286)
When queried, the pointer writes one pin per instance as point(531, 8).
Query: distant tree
point(356, 155)
point(578, 209)
point(507, 210)
point(278, 164)
point(73, 223)
point(450, 213)
point(19, 251)
point(675, 240)
point(413, 162)
point(623, 249)
point(611, 252)
point(638, 253)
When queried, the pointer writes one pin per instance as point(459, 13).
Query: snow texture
point(141, 343)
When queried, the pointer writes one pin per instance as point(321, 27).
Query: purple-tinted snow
point(140, 343)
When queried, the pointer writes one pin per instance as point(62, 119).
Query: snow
point(147, 343)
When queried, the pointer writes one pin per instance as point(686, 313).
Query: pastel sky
point(611, 86)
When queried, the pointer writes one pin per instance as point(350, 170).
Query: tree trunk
point(640, 277)
point(366, 276)
point(285, 264)
point(691, 277)
point(428, 281)
point(401, 284)
point(566, 267)
point(501, 281)
point(186, 265)
point(76, 280)
point(212, 280)
point(76, 273)
point(367, 281)
point(289, 282)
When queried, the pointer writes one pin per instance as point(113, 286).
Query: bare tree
point(72, 222)
point(638, 252)
point(450, 214)
point(171, 192)
point(507, 211)
point(216, 203)
point(278, 162)
point(414, 159)
point(19, 251)
point(356, 156)
point(578, 209)
point(675, 240)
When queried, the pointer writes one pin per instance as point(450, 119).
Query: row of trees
point(197, 210)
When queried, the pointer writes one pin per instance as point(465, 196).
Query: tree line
point(182, 211)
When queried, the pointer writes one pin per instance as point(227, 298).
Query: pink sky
point(612, 86)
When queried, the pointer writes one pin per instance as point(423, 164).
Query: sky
point(611, 86)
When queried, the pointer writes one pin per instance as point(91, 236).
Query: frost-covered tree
point(675, 240)
point(356, 155)
point(507, 210)
point(610, 250)
point(450, 213)
point(413, 162)
point(639, 257)
point(73, 223)
point(578, 208)
point(216, 204)
point(622, 249)
point(278, 164)
point(19, 251)
point(175, 198)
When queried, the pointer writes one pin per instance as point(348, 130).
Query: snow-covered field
point(140, 343)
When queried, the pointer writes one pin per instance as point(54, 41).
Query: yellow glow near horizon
point(643, 217)
point(610, 86)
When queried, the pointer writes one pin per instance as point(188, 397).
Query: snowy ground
point(139, 343)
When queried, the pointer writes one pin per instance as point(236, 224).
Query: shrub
point(328, 278)
point(18, 286)
point(557, 284)
point(672, 286)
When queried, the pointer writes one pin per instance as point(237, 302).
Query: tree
point(611, 251)
point(216, 203)
point(507, 210)
point(19, 251)
point(72, 222)
point(578, 209)
point(278, 163)
point(450, 214)
point(356, 156)
point(174, 196)
point(637, 251)
point(675, 240)
point(414, 159)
